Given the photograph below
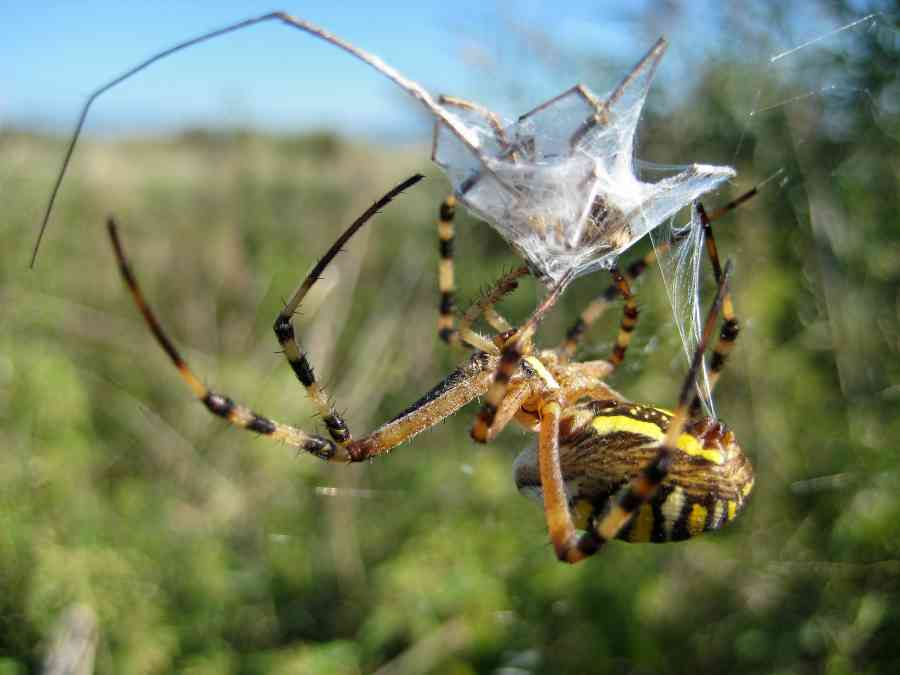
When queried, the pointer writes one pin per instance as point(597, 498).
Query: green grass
point(203, 549)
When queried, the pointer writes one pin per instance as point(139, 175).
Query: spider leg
point(629, 320)
point(509, 364)
point(517, 346)
point(485, 306)
point(516, 405)
point(626, 327)
point(597, 307)
point(580, 380)
point(505, 285)
point(569, 545)
point(730, 327)
point(459, 388)
point(496, 320)
point(601, 117)
point(490, 116)
point(740, 199)
point(446, 286)
point(642, 486)
point(284, 328)
point(464, 335)
point(218, 404)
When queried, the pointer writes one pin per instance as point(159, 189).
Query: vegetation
point(203, 549)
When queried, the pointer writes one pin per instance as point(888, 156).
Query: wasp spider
point(603, 466)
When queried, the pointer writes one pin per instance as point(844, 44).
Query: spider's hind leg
point(730, 327)
point(459, 388)
point(641, 488)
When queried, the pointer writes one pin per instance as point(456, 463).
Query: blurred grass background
point(202, 549)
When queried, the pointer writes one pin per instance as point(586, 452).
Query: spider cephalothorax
point(603, 466)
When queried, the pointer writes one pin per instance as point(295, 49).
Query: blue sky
point(53, 54)
point(269, 76)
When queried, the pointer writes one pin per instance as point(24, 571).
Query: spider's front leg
point(507, 397)
point(218, 404)
point(463, 385)
point(284, 327)
point(485, 426)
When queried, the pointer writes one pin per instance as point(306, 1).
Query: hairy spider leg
point(467, 382)
point(517, 346)
point(447, 330)
point(731, 328)
point(560, 526)
point(505, 285)
point(284, 325)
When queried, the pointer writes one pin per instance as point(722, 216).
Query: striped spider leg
point(446, 324)
point(446, 232)
point(597, 307)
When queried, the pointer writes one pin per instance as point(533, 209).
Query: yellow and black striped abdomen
point(706, 487)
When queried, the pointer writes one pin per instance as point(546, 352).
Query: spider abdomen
point(707, 484)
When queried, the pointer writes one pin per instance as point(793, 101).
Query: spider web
point(563, 188)
point(805, 80)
